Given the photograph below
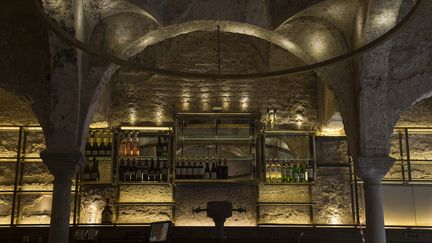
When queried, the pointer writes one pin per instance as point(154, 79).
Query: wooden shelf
point(289, 183)
point(144, 183)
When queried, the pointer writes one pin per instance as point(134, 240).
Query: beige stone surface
point(144, 214)
point(188, 197)
point(146, 193)
point(284, 193)
point(284, 215)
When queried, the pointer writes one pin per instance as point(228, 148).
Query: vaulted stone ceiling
point(156, 98)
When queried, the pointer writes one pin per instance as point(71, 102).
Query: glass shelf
point(144, 157)
point(145, 203)
point(215, 182)
point(144, 183)
point(289, 183)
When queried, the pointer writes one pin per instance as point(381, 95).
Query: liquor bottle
point(289, 172)
point(225, 170)
point(145, 171)
point(86, 172)
point(165, 171)
point(129, 150)
point(127, 170)
point(135, 146)
point(159, 147)
point(108, 147)
point(273, 171)
point(157, 173)
point(268, 171)
point(94, 172)
point(207, 171)
point(107, 214)
point(201, 170)
point(194, 170)
point(296, 173)
point(122, 149)
point(165, 147)
point(121, 170)
point(284, 172)
point(219, 170)
point(183, 170)
point(88, 147)
point(139, 171)
point(213, 171)
point(278, 170)
point(152, 171)
point(95, 146)
point(310, 171)
point(189, 169)
point(102, 144)
point(133, 173)
point(178, 170)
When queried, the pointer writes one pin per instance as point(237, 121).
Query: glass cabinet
point(218, 147)
point(288, 157)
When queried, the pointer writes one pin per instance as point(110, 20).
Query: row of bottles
point(139, 170)
point(130, 145)
point(91, 171)
point(283, 171)
point(195, 169)
point(99, 144)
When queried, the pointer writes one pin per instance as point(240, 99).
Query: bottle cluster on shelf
point(99, 143)
point(130, 145)
point(131, 169)
point(107, 214)
point(201, 169)
point(91, 170)
point(284, 171)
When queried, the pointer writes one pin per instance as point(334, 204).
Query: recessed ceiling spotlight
point(217, 108)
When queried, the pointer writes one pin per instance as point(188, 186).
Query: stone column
point(63, 165)
point(372, 171)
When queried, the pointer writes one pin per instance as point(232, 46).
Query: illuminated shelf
point(145, 203)
point(204, 159)
point(220, 139)
point(289, 183)
point(143, 183)
point(281, 159)
point(95, 183)
point(99, 157)
point(285, 203)
point(144, 157)
point(215, 181)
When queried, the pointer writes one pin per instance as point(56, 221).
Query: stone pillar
point(64, 166)
point(372, 171)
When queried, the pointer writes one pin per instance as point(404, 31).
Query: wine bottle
point(178, 170)
point(102, 148)
point(108, 147)
point(290, 173)
point(86, 172)
point(139, 175)
point(157, 174)
point(268, 171)
point(107, 214)
point(278, 171)
point(194, 170)
point(225, 171)
point(95, 146)
point(159, 147)
point(207, 171)
point(213, 172)
point(296, 175)
point(152, 171)
point(135, 146)
point(165, 147)
point(145, 171)
point(129, 144)
point(88, 147)
point(219, 170)
point(127, 170)
point(165, 171)
point(284, 172)
point(201, 170)
point(183, 170)
point(121, 170)
point(94, 172)
point(301, 173)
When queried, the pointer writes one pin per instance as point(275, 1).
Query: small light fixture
point(271, 117)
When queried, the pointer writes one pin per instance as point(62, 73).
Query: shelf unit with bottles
point(216, 148)
point(288, 157)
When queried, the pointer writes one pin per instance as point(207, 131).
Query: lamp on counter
point(271, 117)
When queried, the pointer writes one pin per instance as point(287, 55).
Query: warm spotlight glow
point(335, 219)
point(99, 125)
point(385, 19)
point(132, 114)
point(92, 213)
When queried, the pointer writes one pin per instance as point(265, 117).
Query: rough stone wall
point(331, 150)
point(188, 197)
point(5, 208)
point(93, 198)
